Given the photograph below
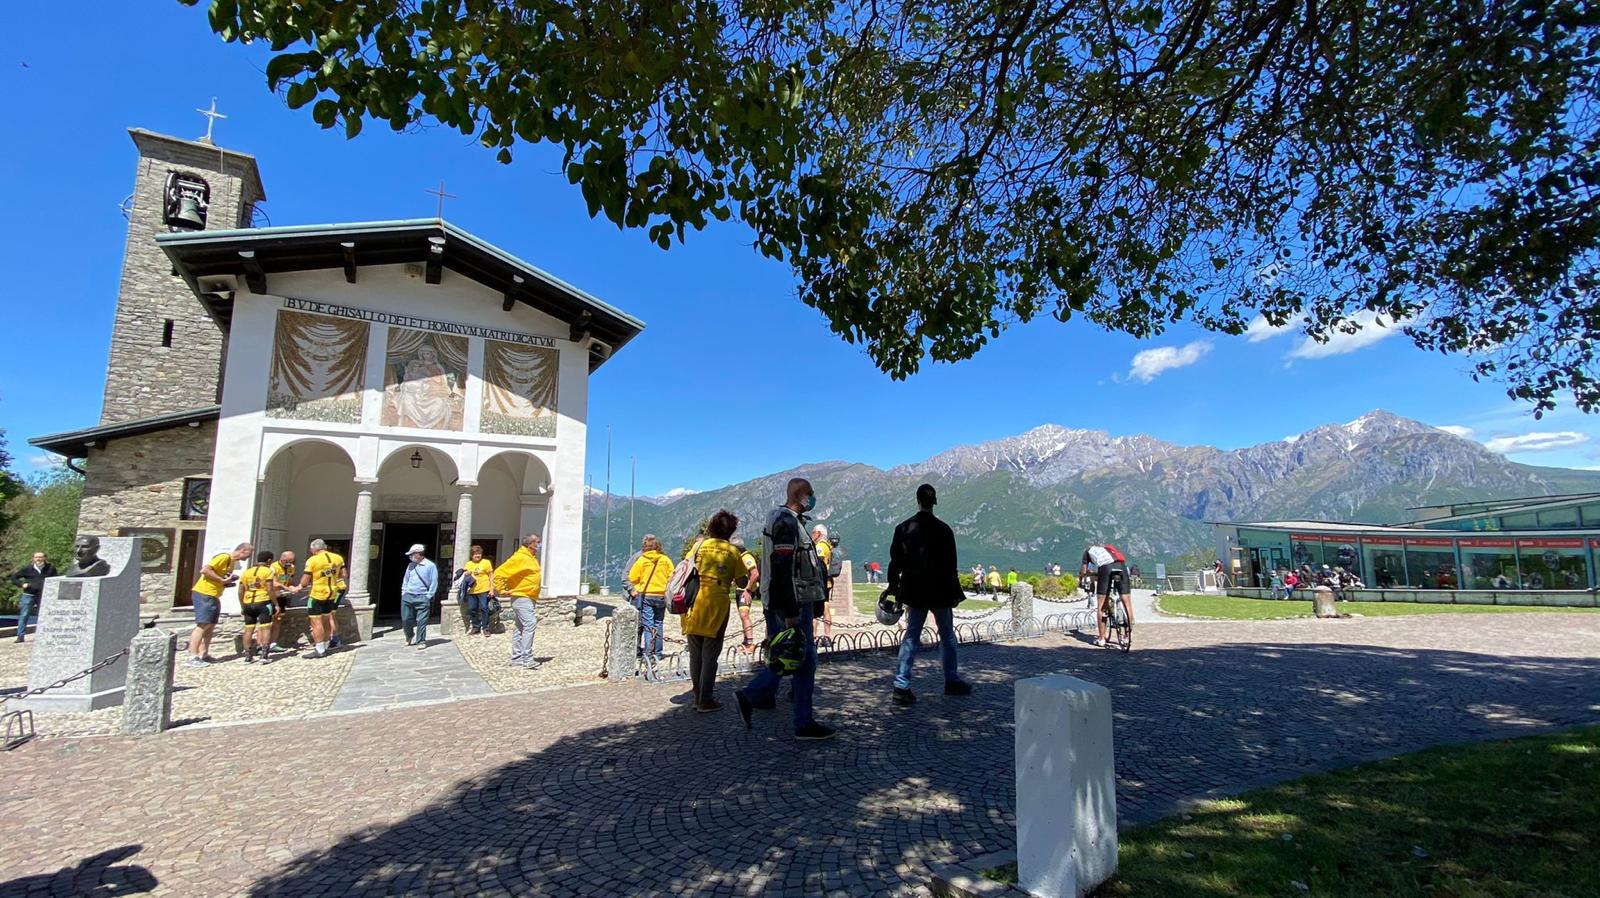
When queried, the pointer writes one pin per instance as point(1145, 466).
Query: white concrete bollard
point(1066, 787)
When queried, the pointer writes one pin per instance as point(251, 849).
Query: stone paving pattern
point(621, 790)
point(389, 672)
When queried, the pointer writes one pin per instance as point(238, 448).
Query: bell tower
point(166, 352)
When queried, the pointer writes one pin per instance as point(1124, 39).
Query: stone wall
point(143, 377)
point(138, 482)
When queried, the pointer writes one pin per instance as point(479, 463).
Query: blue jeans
point(414, 616)
point(478, 611)
point(653, 618)
point(763, 690)
point(915, 618)
point(29, 604)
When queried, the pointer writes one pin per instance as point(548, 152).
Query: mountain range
point(1041, 496)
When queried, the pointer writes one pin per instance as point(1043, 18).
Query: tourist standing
point(481, 570)
point(794, 584)
point(216, 576)
point(720, 565)
point(922, 575)
point(324, 579)
point(994, 581)
point(749, 594)
point(257, 587)
point(977, 579)
point(30, 579)
point(283, 596)
point(824, 609)
point(417, 586)
point(1011, 579)
point(519, 577)
point(649, 577)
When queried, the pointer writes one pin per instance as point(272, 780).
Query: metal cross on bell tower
point(442, 197)
point(211, 119)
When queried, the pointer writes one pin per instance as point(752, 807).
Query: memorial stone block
point(147, 700)
point(81, 621)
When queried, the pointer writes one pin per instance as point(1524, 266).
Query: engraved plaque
point(70, 590)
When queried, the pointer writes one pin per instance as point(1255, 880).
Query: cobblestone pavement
point(616, 789)
point(389, 672)
point(231, 690)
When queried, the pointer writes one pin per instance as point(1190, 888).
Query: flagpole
point(588, 526)
point(633, 486)
point(605, 562)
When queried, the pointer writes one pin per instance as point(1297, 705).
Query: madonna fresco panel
point(424, 380)
point(519, 389)
point(317, 365)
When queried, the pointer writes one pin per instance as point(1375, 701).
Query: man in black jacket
point(923, 576)
point(31, 579)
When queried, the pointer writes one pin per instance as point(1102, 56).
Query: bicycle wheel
point(1126, 635)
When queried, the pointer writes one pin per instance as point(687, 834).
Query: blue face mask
point(811, 501)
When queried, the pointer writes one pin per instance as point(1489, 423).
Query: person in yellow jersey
point(481, 570)
point(824, 609)
point(720, 565)
point(748, 594)
point(288, 591)
point(324, 575)
point(520, 577)
point(216, 576)
point(257, 590)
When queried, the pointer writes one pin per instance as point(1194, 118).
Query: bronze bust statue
point(86, 559)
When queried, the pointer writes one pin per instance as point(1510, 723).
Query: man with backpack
point(1103, 564)
point(795, 582)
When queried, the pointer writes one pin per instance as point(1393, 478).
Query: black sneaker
point(250, 657)
point(744, 707)
point(904, 696)
point(957, 687)
point(815, 732)
point(708, 707)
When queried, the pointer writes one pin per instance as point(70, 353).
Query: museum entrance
point(398, 536)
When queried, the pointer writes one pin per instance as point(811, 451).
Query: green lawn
point(866, 598)
point(1232, 608)
point(1496, 820)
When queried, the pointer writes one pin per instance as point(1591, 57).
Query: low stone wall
point(1526, 598)
point(293, 625)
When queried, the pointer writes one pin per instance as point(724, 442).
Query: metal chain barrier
point(605, 652)
point(19, 722)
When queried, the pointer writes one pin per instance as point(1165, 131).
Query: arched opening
point(309, 492)
point(512, 500)
point(413, 504)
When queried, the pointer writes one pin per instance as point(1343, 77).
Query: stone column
point(1066, 788)
point(360, 560)
point(1021, 601)
point(622, 660)
point(452, 614)
point(147, 698)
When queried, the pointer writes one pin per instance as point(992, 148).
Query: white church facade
point(377, 384)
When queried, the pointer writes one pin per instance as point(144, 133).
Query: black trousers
point(704, 653)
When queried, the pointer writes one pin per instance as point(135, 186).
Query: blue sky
point(725, 338)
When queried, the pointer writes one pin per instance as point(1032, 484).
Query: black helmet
point(889, 610)
point(786, 652)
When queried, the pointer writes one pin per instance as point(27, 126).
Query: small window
point(196, 498)
point(166, 333)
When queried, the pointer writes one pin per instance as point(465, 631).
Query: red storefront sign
point(1433, 541)
point(1550, 543)
point(1382, 540)
point(1479, 543)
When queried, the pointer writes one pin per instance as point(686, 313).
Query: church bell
point(189, 214)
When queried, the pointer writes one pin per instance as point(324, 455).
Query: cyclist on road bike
point(1100, 565)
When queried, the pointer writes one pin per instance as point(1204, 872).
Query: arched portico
point(512, 500)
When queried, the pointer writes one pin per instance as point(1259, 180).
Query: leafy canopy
point(936, 171)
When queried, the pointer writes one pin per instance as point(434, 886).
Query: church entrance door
point(392, 561)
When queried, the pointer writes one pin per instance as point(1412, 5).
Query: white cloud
point(1149, 363)
point(1374, 327)
point(1457, 429)
point(1538, 441)
point(1261, 329)
point(44, 461)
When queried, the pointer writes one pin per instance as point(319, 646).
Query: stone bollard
point(1066, 787)
point(147, 696)
point(1021, 601)
point(622, 656)
point(1322, 602)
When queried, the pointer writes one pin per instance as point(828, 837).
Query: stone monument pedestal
point(83, 620)
point(1066, 787)
point(1322, 602)
point(843, 598)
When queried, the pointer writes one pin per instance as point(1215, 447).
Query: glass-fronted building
point(1541, 544)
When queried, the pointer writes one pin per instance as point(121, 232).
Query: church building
point(373, 384)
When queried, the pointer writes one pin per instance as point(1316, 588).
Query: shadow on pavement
point(693, 803)
point(95, 877)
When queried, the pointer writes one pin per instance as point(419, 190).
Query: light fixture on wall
point(416, 458)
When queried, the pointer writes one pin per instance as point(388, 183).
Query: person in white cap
point(416, 595)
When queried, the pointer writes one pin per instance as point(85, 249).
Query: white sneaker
point(194, 662)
